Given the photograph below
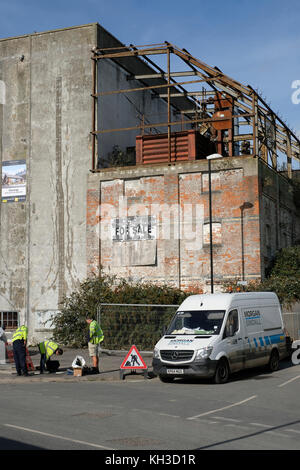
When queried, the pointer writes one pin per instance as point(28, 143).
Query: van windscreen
point(197, 322)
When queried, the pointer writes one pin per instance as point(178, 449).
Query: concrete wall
point(177, 196)
point(46, 120)
point(14, 144)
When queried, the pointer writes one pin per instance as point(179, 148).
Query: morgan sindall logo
point(296, 93)
point(296, 354)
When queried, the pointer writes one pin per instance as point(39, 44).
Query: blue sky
point(256, 42)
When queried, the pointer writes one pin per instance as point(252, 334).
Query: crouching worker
point(95, 337)
point(47, 349)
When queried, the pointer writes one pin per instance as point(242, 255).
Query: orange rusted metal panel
point(154, 148)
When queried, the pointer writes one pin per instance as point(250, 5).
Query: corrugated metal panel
point(155, 149)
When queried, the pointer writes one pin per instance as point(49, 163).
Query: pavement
point(109, 366)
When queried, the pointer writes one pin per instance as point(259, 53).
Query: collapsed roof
point(220, 109)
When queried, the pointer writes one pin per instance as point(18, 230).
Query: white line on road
point(171, 416)
point(267, 426)
point(292, 430)
point(261, 425)
point(55, 436)
point(237, 426)
point(289, 381)
point(228, 419)
point(224, 408)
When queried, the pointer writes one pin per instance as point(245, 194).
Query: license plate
point(175, 371)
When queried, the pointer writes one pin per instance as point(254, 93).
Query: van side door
point(256, 349)
point(233, 339)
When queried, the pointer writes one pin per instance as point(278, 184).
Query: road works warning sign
point(133, 360)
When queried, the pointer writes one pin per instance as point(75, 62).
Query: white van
point(214, 335)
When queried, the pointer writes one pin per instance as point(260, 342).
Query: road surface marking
point(228, 419)
point(267, 426)
point(261, 425)
point(289, 381)
point(208, 421)
point(224, 408)
point(171, 416)
point(237, 426)
point(292, 430)
point(55, 436)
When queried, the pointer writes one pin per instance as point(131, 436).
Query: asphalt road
point(254, 411)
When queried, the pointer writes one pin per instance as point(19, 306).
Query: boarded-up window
point(215, 182)
point(216, 233)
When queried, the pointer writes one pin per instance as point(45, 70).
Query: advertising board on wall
point(14, 181)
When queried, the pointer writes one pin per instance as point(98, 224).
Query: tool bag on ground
point(52, 366)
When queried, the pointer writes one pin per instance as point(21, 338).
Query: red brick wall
point(180, 261)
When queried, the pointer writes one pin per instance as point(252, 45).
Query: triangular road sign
point(133, 360)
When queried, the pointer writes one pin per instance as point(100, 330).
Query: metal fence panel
point(291, 322)
point(139, 324)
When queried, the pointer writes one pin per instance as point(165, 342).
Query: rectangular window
point(216, 233)
point(10, 320)
point(232, 324)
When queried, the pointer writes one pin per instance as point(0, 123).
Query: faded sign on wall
point(14, 181)
point(134, 228)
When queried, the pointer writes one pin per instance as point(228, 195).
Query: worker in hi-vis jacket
point(19, 341)
point(95, 337)
point(47, 349)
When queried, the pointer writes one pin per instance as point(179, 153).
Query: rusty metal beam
point(213, 72)
point(255, 125)
point(119, 55)
point(169, 105)
point(188, 73)
point(272, 113)
point(289, 155)
point(173, 123)
point(151, 87)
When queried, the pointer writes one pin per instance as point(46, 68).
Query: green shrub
point(283, 279)
point(122, 326)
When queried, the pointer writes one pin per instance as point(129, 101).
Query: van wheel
point(166, 379)
point(222, 372)
point(274, 361)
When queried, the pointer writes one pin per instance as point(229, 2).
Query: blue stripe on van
point(267, 340)
point(255, 342)
point(261, 341)
point(277, 339)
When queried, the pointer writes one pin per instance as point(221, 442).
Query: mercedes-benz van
point(213, 335)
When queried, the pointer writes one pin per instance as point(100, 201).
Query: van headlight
point(204, 353)
point(156, 353)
